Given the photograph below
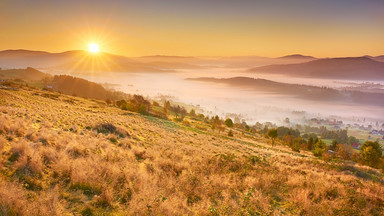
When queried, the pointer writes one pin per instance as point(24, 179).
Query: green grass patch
point(163, 123)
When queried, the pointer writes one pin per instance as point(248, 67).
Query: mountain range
point(366, 67)
point(78, 60)
point(359, 68)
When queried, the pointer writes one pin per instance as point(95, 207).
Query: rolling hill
point(25, 74)
point(360, 68)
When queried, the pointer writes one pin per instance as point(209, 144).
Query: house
point(355, 145)
point(377, 132)
point(374, 132)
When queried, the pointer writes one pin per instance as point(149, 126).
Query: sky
point(272, 28)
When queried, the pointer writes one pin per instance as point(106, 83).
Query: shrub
point(87, 189)
point(108, 128)
point(230, 133)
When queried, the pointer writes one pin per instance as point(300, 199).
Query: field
point(364, 135)
point(64, 155)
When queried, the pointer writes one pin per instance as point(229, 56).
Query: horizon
point(160, 55)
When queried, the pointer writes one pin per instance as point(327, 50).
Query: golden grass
point(58, 158)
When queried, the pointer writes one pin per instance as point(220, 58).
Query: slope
point(63, 155)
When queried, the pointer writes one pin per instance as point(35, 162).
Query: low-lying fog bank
point(221, 99)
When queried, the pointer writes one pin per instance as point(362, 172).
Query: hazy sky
point(196, 27)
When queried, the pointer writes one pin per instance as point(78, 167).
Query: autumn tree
point(166, 106)
point(319, 148)
point(334, 145)
point(272, 133)
point(228, 122)
point(295, 146)
point(344, 151)
point(192, 113)
point(370, 153)
point(310, 143)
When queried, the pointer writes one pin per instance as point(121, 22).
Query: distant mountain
point(298, 57)
point(25, 74)
point(254, 61)
point(362, 68)
point(107, 62)
point(76, 60)
point(379, 58)
point(21, 53)
point(36, 59)
point(301, 91)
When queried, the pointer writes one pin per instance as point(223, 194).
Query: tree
point(288, 139)
point(166, 107)
point(272, 133)
point(319, 148)
point(192, 113)
point(334, 145)
point(120, 103)
point(344, 151)
point(228, 122)
point(370, 153)
point(352, 140)
point(310, 143)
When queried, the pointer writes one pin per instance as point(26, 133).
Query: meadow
point(65, 155)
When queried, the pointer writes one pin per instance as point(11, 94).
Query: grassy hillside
point(64, 155)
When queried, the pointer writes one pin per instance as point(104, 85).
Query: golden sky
point(196, 28)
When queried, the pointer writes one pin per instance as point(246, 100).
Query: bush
point(230, 133)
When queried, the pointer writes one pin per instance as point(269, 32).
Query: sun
point(93, 48)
